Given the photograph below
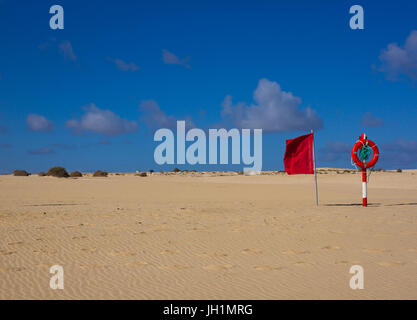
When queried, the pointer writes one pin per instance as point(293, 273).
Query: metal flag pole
point(315, 171)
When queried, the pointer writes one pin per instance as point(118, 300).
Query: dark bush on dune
point(100, 173)
point(76, 174)
point(176, 170)
point(58, 172)
point(21, 173)
point(399, 170)
point(41, 174)
point(143, 174)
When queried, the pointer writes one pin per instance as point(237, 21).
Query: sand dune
point(208, 236)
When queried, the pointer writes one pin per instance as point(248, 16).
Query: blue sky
point(89, 97)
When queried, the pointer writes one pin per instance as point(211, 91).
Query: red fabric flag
point(298, 158)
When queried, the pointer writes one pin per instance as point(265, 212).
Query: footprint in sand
point(267, 268)
point(87, 250)
point(79, 238)
point(304, 263)
point(390, 264)
point(181, 267)
point(92, 266)
point(123, 253)
point(15, 243)
point(217, 267)
point(370, 250)
point(7, 253)
point(197, 229)
point(382, 235)
point(212, 255)
point(137, 264)
point(176, 267)
point(294, 252)
point(251, 251)
point(12, 269)
point(331, 247)
point(168, 251)
point(336, 232)
point(45, 251)
point(160, 229)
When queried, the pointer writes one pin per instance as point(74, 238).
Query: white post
point(315, 171)
point(364, 193)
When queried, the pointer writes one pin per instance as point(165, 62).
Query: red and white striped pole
point(364, 196)
point(361, 143)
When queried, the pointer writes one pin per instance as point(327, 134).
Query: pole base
point(364, 202)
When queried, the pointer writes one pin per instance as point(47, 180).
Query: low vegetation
point(100, 173)
point(21, 173)
point(76, 174)
point(58, 172)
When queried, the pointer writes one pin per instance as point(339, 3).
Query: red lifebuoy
point(359, 144)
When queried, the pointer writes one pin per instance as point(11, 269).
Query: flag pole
point(315, 171)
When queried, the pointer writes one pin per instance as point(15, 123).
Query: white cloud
point(369, 120)
point(66, 49)
point(170, 58)
point(36, 122)
point(101, 121)
point(274, 111)
point(124, 66)
point(400, 61)
point(155, 118)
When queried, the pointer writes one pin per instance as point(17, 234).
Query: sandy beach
point(209, 236)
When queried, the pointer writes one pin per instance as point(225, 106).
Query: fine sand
point(209, 236)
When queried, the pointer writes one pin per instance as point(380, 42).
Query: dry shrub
point(58, 172)
point(100, 173)
point(21, 173)
point(41, 174)
point(176, 170)
point(76, 174)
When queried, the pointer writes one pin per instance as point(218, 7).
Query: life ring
point(363, 141)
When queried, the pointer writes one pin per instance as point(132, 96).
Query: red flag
point(298, 158)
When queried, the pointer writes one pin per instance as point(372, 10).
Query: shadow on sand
point(350, 205)
point(369, 204)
